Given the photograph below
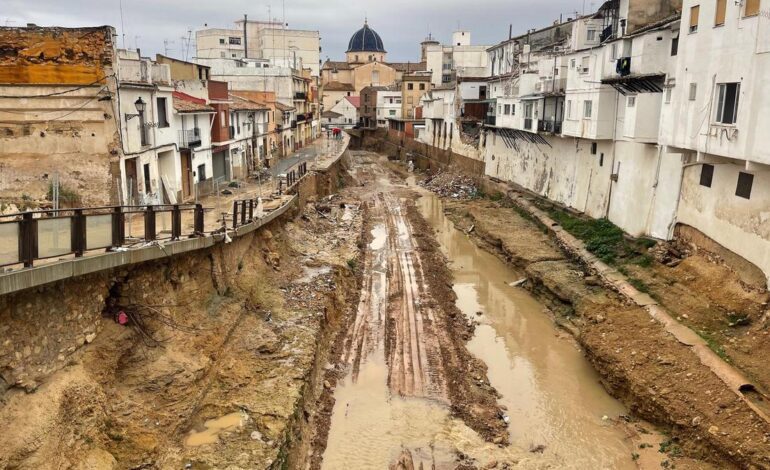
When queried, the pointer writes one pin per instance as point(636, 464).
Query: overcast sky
point(402, 24)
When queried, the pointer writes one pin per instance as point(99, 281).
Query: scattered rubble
point(451, 186)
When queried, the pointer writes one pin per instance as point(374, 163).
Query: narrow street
point(395, 405)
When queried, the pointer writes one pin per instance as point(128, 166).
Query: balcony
point(190, 138)
point(549, 125)
point(301, 118)
point(300, 96)
point(490, 120)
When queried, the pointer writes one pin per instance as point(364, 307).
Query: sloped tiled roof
point(184, 103)
point(338, 86)
point(409, 66)
point(242, 104)
point(340, 65)
point(354, 100)
point(283, 107)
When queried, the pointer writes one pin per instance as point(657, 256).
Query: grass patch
point(352, 264)
point(714, 345)
point(670, 447)
point(602, 238)
point(639, 285)
point(68, 197)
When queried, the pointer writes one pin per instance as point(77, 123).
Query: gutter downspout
point(612, 167)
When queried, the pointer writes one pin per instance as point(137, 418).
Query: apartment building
point(459, 59)
point(413, 86)
point(714, 126)
point(388, 105)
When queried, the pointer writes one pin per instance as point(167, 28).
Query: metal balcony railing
point(549, 125)
point(189, 138)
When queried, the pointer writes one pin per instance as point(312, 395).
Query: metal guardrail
point(37, 235)
point(292, 178)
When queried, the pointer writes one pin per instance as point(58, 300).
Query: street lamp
point(140, 107)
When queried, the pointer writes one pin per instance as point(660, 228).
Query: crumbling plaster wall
point(56, 114)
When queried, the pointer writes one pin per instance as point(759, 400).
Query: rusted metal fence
point(37, 235)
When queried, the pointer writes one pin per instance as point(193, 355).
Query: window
point(601, 160)
point(572, 63)
point(513, 110)
point(719, 18)
point(745, 181)
point(594, 148)
point(584, 62)
point(410, 86)
point(631, 101)
point(693, 91)
point(694, 12)
point(706, 175)
point(221, 40)
point(148, 189)
point(201, 172)
point(507, 109)
point(162, 110)
point(233, 40)
point(668, 95)
point(675, 45)
point(587, 108)
point(499, 109)
point(569, 109)
point(591, 35)
point(422, 86)
point(392, 112)
point(752, 8)
point(727, 102)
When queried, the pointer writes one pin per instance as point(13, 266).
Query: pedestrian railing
point(292, 178)
point(26, 237)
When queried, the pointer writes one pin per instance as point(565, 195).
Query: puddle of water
point(214, 427)
point(552, 393)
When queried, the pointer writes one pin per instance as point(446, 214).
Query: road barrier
point(42, 234)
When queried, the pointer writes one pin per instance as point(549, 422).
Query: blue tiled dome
point(366, 40)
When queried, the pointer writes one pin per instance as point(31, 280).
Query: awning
point(650, 83)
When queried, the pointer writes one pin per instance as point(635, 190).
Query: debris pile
point(450, 185)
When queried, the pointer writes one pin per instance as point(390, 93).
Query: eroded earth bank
point(382, 327)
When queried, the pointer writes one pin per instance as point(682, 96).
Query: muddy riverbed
point(395, 405)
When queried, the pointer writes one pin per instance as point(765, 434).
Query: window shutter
point(752, 8)
point(694, 12)
point(720, 16)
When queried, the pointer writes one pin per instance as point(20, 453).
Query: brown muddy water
point(559, 415)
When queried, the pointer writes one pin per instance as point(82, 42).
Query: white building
point(347, 111)
point(458, 59)
point(192, 122)
point(149, 157)
point(268, 40)
point(249, 121)
point(714, 127)
point(388, 105)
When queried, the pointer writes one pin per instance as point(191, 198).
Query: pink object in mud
point(122, 317)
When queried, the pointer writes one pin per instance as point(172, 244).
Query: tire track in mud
point(395, 307)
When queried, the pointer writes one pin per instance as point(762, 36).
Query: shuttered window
point(694, 12)
point(752, 8)
point(719, 19)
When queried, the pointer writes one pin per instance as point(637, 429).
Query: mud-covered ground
point(659, 378)
point(407, 309)
point(215, 367)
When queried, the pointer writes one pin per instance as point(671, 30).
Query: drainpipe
point(612, 167)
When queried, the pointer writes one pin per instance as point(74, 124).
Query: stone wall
point(57, 116)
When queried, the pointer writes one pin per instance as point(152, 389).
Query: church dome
point(365, 40)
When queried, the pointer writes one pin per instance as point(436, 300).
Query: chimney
point(245, 38)
point(510, 31)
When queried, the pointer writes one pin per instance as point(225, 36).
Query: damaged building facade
point(58, 116)
point(617, 115)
